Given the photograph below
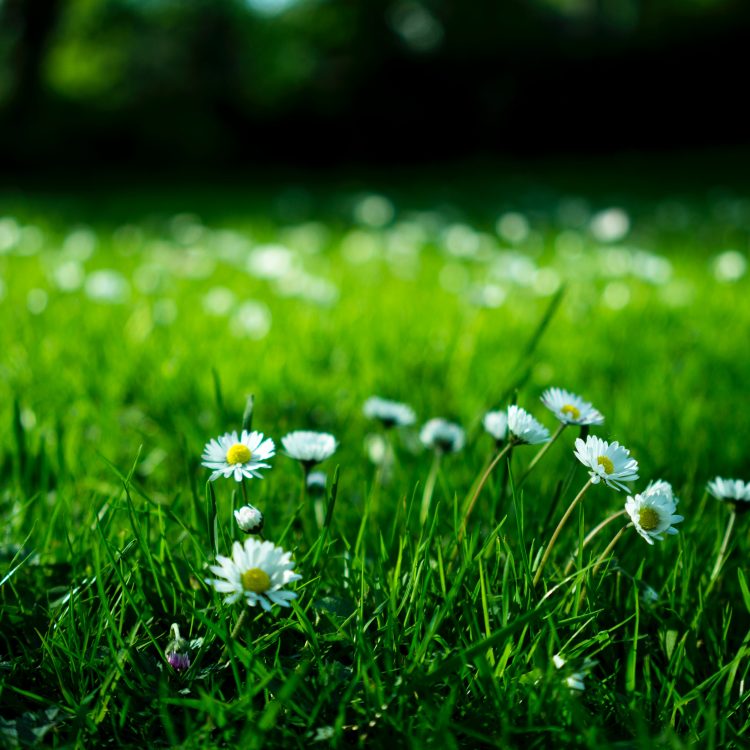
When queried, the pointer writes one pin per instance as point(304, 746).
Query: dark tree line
point(158, 81)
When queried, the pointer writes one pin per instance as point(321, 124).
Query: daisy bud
point(316, 482)
point(177, 651)
point(249, 519)
point(179, 662)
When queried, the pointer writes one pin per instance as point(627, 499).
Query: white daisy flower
point(570, 408)
point(653, 511)
point(442, 435)
point(257, 571)
point(249, 519)
point(390, 413)
point(308, 447)
point(524, 428)
point(608, 462)
point(316, 482)
point(733, 491)
point(230, 455)
point(496, 423)
point(574, 680)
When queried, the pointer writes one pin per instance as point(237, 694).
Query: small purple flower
point(177, 652)
point(179, 662)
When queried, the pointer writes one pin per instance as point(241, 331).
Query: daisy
point(496, 423)
point(570, 408)
point(653, 511)
point(249, 519)
point(256, 571)
point(733, 491)
point(316, 482)
point(608, 462)
point(390, 413)
point(309, 448)
point(230, 455)
point(524, 428)
point(442, 435)
point(574, 680)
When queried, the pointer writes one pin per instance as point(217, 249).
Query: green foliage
point(404, 633)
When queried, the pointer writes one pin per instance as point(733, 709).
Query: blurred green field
point(134, 326)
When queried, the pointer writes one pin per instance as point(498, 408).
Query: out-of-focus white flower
point(524, 428)
point(732, 491)
point(107, 285)
point(496, 423)
point(442, 435)
point(574, 679)
point(390, 413)
point(316, 482)
point(308, 447)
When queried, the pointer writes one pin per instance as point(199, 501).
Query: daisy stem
point(429, 487)
point(722, 552)
point(303, 489)
point(480, 486)
point(556, 532)
point(238, 625)
point(244, 491)
point(609, 548)
point(235, 632)
point(556, 434)
point(591, 535)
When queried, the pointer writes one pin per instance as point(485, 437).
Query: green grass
point(402, 634)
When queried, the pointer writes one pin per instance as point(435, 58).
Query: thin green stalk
point(480, 487)
point(503, 494)
point(609, 548)
point(429, 487)
point(235, 631)
point(720, 559)
point(556, 434)
point(722, 552)
point(591, 535)
point(557, 531)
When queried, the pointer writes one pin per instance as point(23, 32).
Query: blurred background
point(319, 83)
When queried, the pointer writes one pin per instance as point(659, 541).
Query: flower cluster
point(258, 571)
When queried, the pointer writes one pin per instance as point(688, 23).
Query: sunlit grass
point(125, 346)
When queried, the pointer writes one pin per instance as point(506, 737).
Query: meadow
point(133, 329)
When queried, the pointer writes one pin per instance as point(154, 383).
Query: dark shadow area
point(156, 84)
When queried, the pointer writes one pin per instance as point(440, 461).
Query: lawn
point(135, 325)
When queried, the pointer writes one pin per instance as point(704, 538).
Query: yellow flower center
point(606, 463)
point(255, 580)
point(571, 411)
point(648, 519)
point(239, 454)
